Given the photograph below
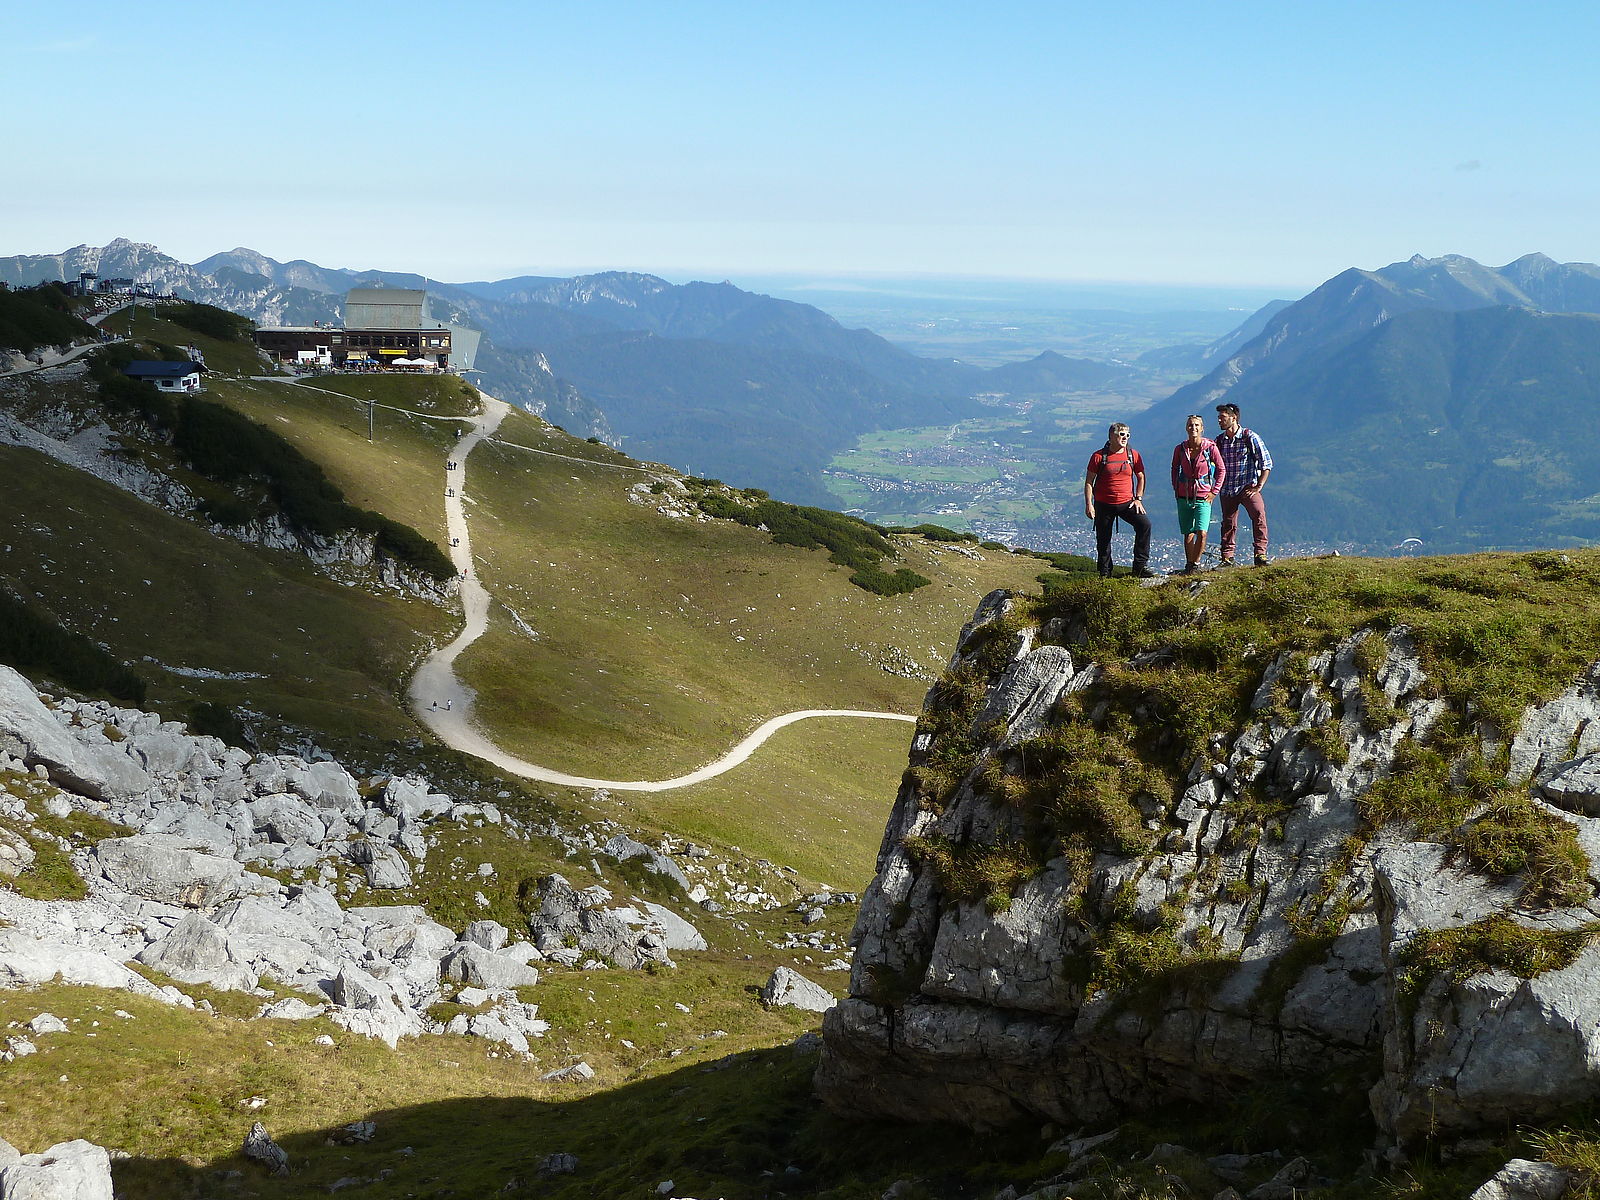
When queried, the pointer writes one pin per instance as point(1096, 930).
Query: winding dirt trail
point(444, 704)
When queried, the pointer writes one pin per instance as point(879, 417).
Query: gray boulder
point(490, 1027)
point(790, 989)
point(76, 1170)
point(622, 848)
point(386, 868)
point(491, 935)
point(316, 905)
point(565, 921)
point(195, 831)
point(25, 959)
point(158, 867)
point(371, 1007)
point(196, 951)
point(472, 964)
point(670, 929)
point(324, 785)
point(1524, 1179)
point(163, 752)
point(1287, 1184)
point(578, 1072)
point(254, 917)
point(259, 1147)
point(410, 799)
point(354, 988)
point(291, 1008)
point(30, 732)
point(16, 855)
point(287, 818)
point(559, 1163)
point(1574, 786)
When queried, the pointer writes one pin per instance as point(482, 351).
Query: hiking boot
point(1192, 569)
point(1226, 562)
point(1144, 573)
point(1263, 561)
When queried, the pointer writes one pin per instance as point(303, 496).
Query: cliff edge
point(1329, 821)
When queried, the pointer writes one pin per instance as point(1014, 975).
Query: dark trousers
point(1106, 516)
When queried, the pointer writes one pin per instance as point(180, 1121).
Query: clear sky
point(1249, 142)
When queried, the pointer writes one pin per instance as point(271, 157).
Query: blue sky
point(1234, 143)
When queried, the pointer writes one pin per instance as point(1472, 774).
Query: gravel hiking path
point(444, 704)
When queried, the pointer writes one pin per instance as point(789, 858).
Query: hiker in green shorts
point(1197, 475)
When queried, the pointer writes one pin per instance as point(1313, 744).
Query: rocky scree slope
point(245, 869)
point(1094, 897)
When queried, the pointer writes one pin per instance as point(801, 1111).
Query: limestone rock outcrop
point(186, 895)
point(76, 1170)
point(1253, 923)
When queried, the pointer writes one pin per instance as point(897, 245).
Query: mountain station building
point(383, 327)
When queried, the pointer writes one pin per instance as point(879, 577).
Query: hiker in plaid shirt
point(1248, 464)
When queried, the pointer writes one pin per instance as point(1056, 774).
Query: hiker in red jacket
point(1197, 475)
point(1113, 489)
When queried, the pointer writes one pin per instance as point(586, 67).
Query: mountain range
point(738, 385)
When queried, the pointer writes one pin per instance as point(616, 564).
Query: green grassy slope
point(800, 801)
point(150, 585)
point(400, 472)
point(660, 642)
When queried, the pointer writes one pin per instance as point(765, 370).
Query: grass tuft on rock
point(1496, 943)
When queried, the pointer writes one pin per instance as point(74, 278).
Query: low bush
point(850, 541)
point(938, 533)
point(974, 871)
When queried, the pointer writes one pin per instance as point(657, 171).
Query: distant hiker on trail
point(1113, 489)
point(1249, 464)
point(1198, 473)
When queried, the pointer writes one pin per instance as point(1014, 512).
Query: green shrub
point(850, 541)
point(1082, 780)
point(973, 871)
point(938, 533)
point(903, 580)
point(1072, 564)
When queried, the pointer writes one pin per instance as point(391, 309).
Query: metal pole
point(372, 407)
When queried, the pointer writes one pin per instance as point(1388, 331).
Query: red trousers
point(1257, 509)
